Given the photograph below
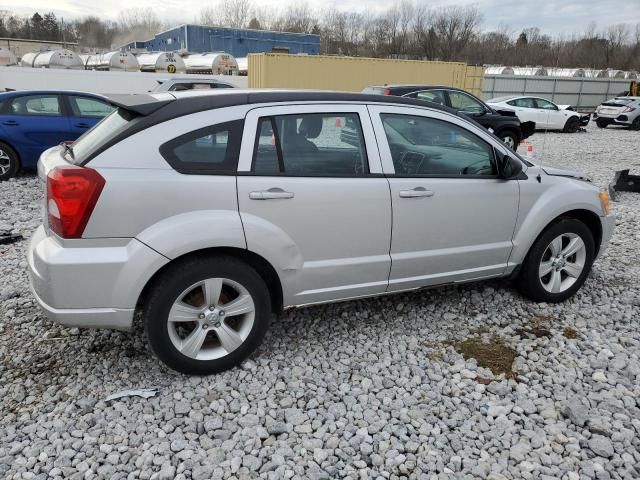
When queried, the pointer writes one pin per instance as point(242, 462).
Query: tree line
point(406, 29)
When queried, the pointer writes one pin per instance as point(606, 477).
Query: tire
point(9, 162)
point(602, 123)
point(635, 125)
point(178, 293)
point(572, 125)
point(510, 139)
point(541, 289)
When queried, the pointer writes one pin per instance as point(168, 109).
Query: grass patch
point(494, 355)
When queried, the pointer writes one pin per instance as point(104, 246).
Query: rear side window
point(311, 144)
point(36, 105)
point(210, 150)
point(435, 96)
point(523, 103)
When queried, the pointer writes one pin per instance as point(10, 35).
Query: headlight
point(604, 202)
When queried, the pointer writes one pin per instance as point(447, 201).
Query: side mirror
point(508, 167)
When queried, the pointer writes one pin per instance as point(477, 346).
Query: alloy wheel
point(562, 262)
point(211, 318)
point(5, 162)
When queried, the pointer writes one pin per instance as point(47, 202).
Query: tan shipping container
point(269, 70)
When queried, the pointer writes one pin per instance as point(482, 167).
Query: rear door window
point(523, 103)
point(209, 150)
point(311, 144)
point(435, 96)
point(36, 105)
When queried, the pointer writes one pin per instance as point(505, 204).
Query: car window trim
point(282, 172)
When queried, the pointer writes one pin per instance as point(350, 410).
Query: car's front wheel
point(9, 163)
point(206, 315)
point(572, 125)
point(558, 263)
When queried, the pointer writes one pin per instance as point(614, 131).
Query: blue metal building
point(237, 42)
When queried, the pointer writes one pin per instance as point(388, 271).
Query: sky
point(555, 17)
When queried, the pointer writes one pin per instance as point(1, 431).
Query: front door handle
point(10, 122)
point(82, 125)
point(271, 194)
point(417, 192)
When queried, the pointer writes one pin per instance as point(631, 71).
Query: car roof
point(176, 104)
point(418, 87)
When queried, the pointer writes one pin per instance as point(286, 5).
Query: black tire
point(9, 162)
point(166, 289)
point(635, 125)
point(529, 282)
point(572, 125)
point(510, 138)
point(602, 123)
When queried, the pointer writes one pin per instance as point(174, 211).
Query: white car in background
point(546, 114)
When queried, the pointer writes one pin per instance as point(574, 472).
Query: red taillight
point(72, 193)
point(628, 109)
point(386, 91)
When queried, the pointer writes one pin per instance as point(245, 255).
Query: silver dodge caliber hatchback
point(209, 211)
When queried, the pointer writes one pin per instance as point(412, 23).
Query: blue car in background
point(32, 121)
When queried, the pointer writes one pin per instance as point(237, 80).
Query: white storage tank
point(498, 70)
point(7, 58)
point(215, 63)
point(531, 71)
point(243, 66)
point(117, 60)
point(632, 75)
point(610, 73)
point(28, 58)
point(165, 62)
point(567, 72)
point(62, 59)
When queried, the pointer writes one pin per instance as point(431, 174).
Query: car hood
point(561, 172)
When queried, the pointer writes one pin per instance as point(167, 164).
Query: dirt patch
point(494, 355)
point(570, 333)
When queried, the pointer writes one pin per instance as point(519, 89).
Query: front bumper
point(89, 283)
point(608, 225)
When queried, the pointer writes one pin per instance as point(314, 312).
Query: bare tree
point(455, 26)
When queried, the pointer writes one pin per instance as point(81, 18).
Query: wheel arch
point(257, 262)
point(588, 217)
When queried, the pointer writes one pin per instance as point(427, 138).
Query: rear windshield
point(617, 102)
point(100, 134)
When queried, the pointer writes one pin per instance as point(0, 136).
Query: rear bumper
point(90, 283)
point(614, 120)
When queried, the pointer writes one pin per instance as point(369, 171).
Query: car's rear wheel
point(572, 125)
point(635, 125)
point(602, 123)
point(558, 263)
point(206, 315)
point(9, 162)
point(510, 139)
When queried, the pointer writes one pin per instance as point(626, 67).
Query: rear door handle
point(271, 194)
point(82, 125)
point(10, 122)
point(417, 192)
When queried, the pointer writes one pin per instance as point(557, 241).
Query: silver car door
point(453, 219)
point(314, 202)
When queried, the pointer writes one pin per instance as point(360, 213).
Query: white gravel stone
point(363, 389)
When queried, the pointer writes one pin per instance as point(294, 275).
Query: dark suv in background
point(504, 124)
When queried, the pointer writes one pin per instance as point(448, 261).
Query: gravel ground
point(375, 388)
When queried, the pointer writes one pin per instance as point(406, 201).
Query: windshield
point(102, 132)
